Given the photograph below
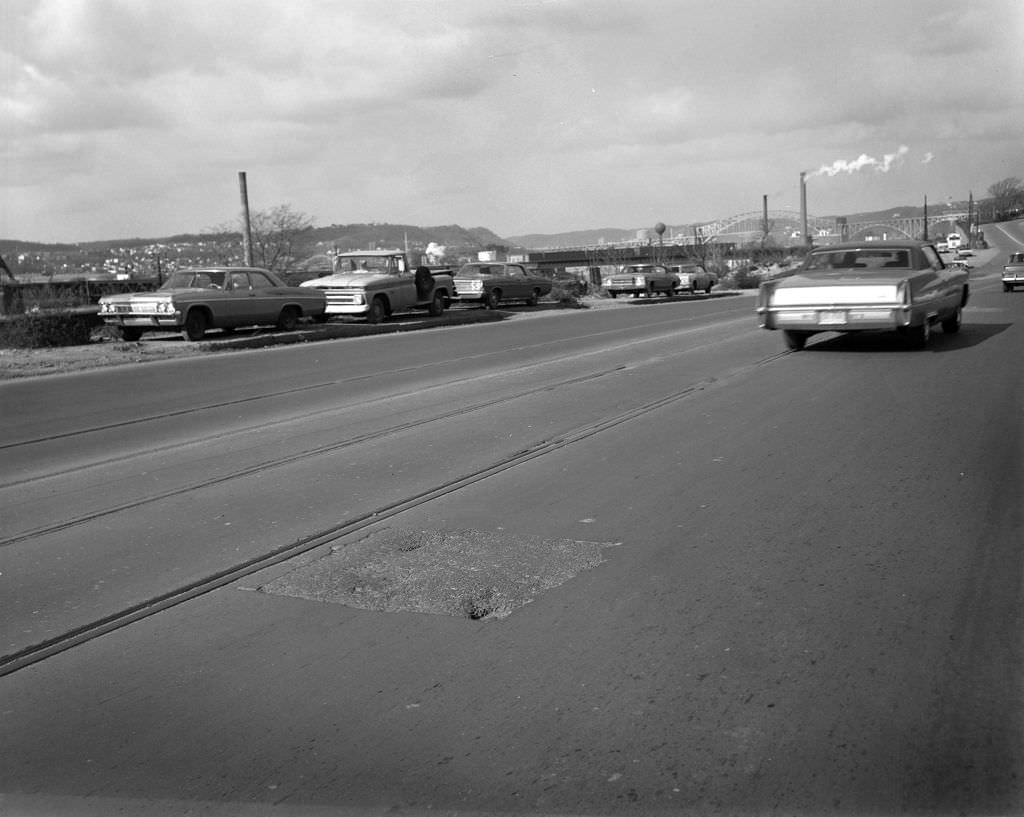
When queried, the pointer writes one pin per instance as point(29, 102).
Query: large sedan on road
point(492, 282)
point(894, 285)
point(196, 300)
point(1013, 272)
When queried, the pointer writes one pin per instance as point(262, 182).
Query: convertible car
point(875, 285)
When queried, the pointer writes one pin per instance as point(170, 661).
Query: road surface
point(640, 561)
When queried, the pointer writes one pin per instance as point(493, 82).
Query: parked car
point(694, 278)
point(641, 279)
point(492, 282)
point(196, 300)
point(890, 285)
point(1013, 272)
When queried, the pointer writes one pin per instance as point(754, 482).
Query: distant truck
point(953, 241)
point(374, 284)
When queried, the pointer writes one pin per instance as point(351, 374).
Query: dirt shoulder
point(107, 348)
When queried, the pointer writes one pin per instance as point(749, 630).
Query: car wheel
point(288, 319)
point(492, 299)
point(532, 300)
point(436, 308)
point(918, 336)
point(795, 340)
point(952, 324)
point(612, 293)
point(1007, 288)
point(196, 324)
point(377, 312)
point(130, 333)
point(707, 289)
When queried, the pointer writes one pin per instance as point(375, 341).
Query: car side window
point(238, 281)
point(260, 281)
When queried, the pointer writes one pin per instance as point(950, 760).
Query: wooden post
point(246, 224)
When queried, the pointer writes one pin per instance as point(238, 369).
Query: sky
point(134, 118)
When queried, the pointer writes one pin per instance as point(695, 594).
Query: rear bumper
point(838, 319)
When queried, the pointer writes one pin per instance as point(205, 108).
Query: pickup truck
point(374, 284)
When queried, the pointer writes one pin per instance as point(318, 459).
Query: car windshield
point(366, 264)
point(194, 279)
point(867, 258)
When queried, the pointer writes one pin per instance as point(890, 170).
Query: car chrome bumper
point(834, 319)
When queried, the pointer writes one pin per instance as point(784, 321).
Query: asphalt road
point(634, 561)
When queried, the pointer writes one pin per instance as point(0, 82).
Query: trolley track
point(130, 614)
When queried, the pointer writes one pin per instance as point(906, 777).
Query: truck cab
point(374, 284)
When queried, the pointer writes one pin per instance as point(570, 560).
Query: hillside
point(457, 239)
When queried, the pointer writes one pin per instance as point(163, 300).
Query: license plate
point(826, 318)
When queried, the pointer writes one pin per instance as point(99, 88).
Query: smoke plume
point(861, 162)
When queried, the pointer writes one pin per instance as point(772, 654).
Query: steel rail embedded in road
point(33, 654)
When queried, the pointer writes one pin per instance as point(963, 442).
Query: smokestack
point(803, 208)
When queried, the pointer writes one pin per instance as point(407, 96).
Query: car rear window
point(868, 258)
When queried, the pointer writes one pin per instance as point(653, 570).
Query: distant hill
point(456, 239)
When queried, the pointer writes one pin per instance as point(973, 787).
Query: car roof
point(223, 269)
point(381, 253)
point(878, 245)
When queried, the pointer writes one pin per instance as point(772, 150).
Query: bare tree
point(1007, 196)
point(274, 233)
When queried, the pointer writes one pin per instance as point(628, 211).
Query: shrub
point(568, 295)
point(35, 330)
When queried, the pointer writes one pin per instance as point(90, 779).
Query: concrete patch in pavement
point(465, 573)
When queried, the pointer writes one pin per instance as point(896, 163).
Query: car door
point(265, 298)
point(514, 281)
point(236, 307)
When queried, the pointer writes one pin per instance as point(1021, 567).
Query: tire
point(612, 293)
point(288, 319)
point(130, 333)
point(707, 290)
point(378, 310)
point(437, 303)
point(532, 300)
point(492, 299)
point(952, 324)
point(196, 324)
point(795, 341)
point(918, 336)
point(1007, 288)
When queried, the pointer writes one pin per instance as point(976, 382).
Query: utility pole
point(925, 234)
point(803, 209)
point(246, 223)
